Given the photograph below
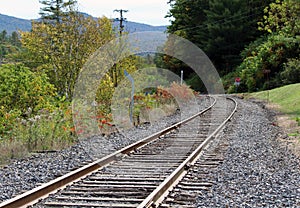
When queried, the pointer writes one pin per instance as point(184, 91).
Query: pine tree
point(54, 10)
point(187, 19)
point(232, 25)
point(227, 30)
point(3, 36)
point(15, 40)
point(221, 28)
point(188, 16)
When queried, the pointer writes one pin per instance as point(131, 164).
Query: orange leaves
point(7, 116)
point(181, 92)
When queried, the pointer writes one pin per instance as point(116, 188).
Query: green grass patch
point(296, 134)
point(287, 98)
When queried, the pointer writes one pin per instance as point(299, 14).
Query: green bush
point(298, 120)
point(291, 72)
point(30, 113)
point(265, 60)
point(22, 94)
point(22, 89)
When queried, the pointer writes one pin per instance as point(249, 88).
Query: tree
point(3, 36)
point(270, 61)
point(54, 10)
point(62, 49)
point(226, 25)
point(14, 39)
point(221, 28)
point(188, 18)
point(8, 45)
point(281, 16)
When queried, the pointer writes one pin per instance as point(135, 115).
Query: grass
point(287, 98)
point(11, 150)
point(296, 134)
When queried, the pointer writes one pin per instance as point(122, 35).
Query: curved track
point(140, 175)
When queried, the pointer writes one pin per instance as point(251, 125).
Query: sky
point(149, 12)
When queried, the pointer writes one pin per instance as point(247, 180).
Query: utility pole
point(115, 73)
point(121, 19)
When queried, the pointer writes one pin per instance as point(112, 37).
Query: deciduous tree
point(62, 49)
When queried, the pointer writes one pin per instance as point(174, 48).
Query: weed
point(45, 131)
point(295, 134)
point(298, 120)
point(12, 149)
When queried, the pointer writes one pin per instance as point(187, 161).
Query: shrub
point(164, 100)
point(22, 94)
point(291, 72)
point(265, 61)
point(22, 89)
point(183, 93)
point(30, 113)
point(44, 131)
point(298, 120)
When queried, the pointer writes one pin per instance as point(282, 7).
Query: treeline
point(251, 39)
point(9, 43)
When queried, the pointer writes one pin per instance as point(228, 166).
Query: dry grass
point(12, 150)
point(293, 131)
point(291, 128)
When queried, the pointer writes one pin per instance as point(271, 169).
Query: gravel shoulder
point(258, 170)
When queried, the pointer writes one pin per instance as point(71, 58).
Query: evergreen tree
point(232, 25)
point(188, 19)
point(3, 36)
point(9, 44)
point(227, 30)
point(15, 40)
point(54, 10)
point(221, 28)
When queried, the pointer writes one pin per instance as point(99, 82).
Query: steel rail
point(162, 190)
point(44, 190)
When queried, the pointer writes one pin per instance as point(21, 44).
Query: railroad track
point(140, 175)
point(198, 178)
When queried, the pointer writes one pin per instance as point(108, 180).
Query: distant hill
point(11, 24)
point(132, 27)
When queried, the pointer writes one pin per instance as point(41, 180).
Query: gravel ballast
point(258, 170)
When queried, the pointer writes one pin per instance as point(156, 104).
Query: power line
point(121, 19)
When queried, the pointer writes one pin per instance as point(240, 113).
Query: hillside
point(11, 24)
point(132, 27)
point(287, 98)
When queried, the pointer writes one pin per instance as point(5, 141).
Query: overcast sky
point(149, 12)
